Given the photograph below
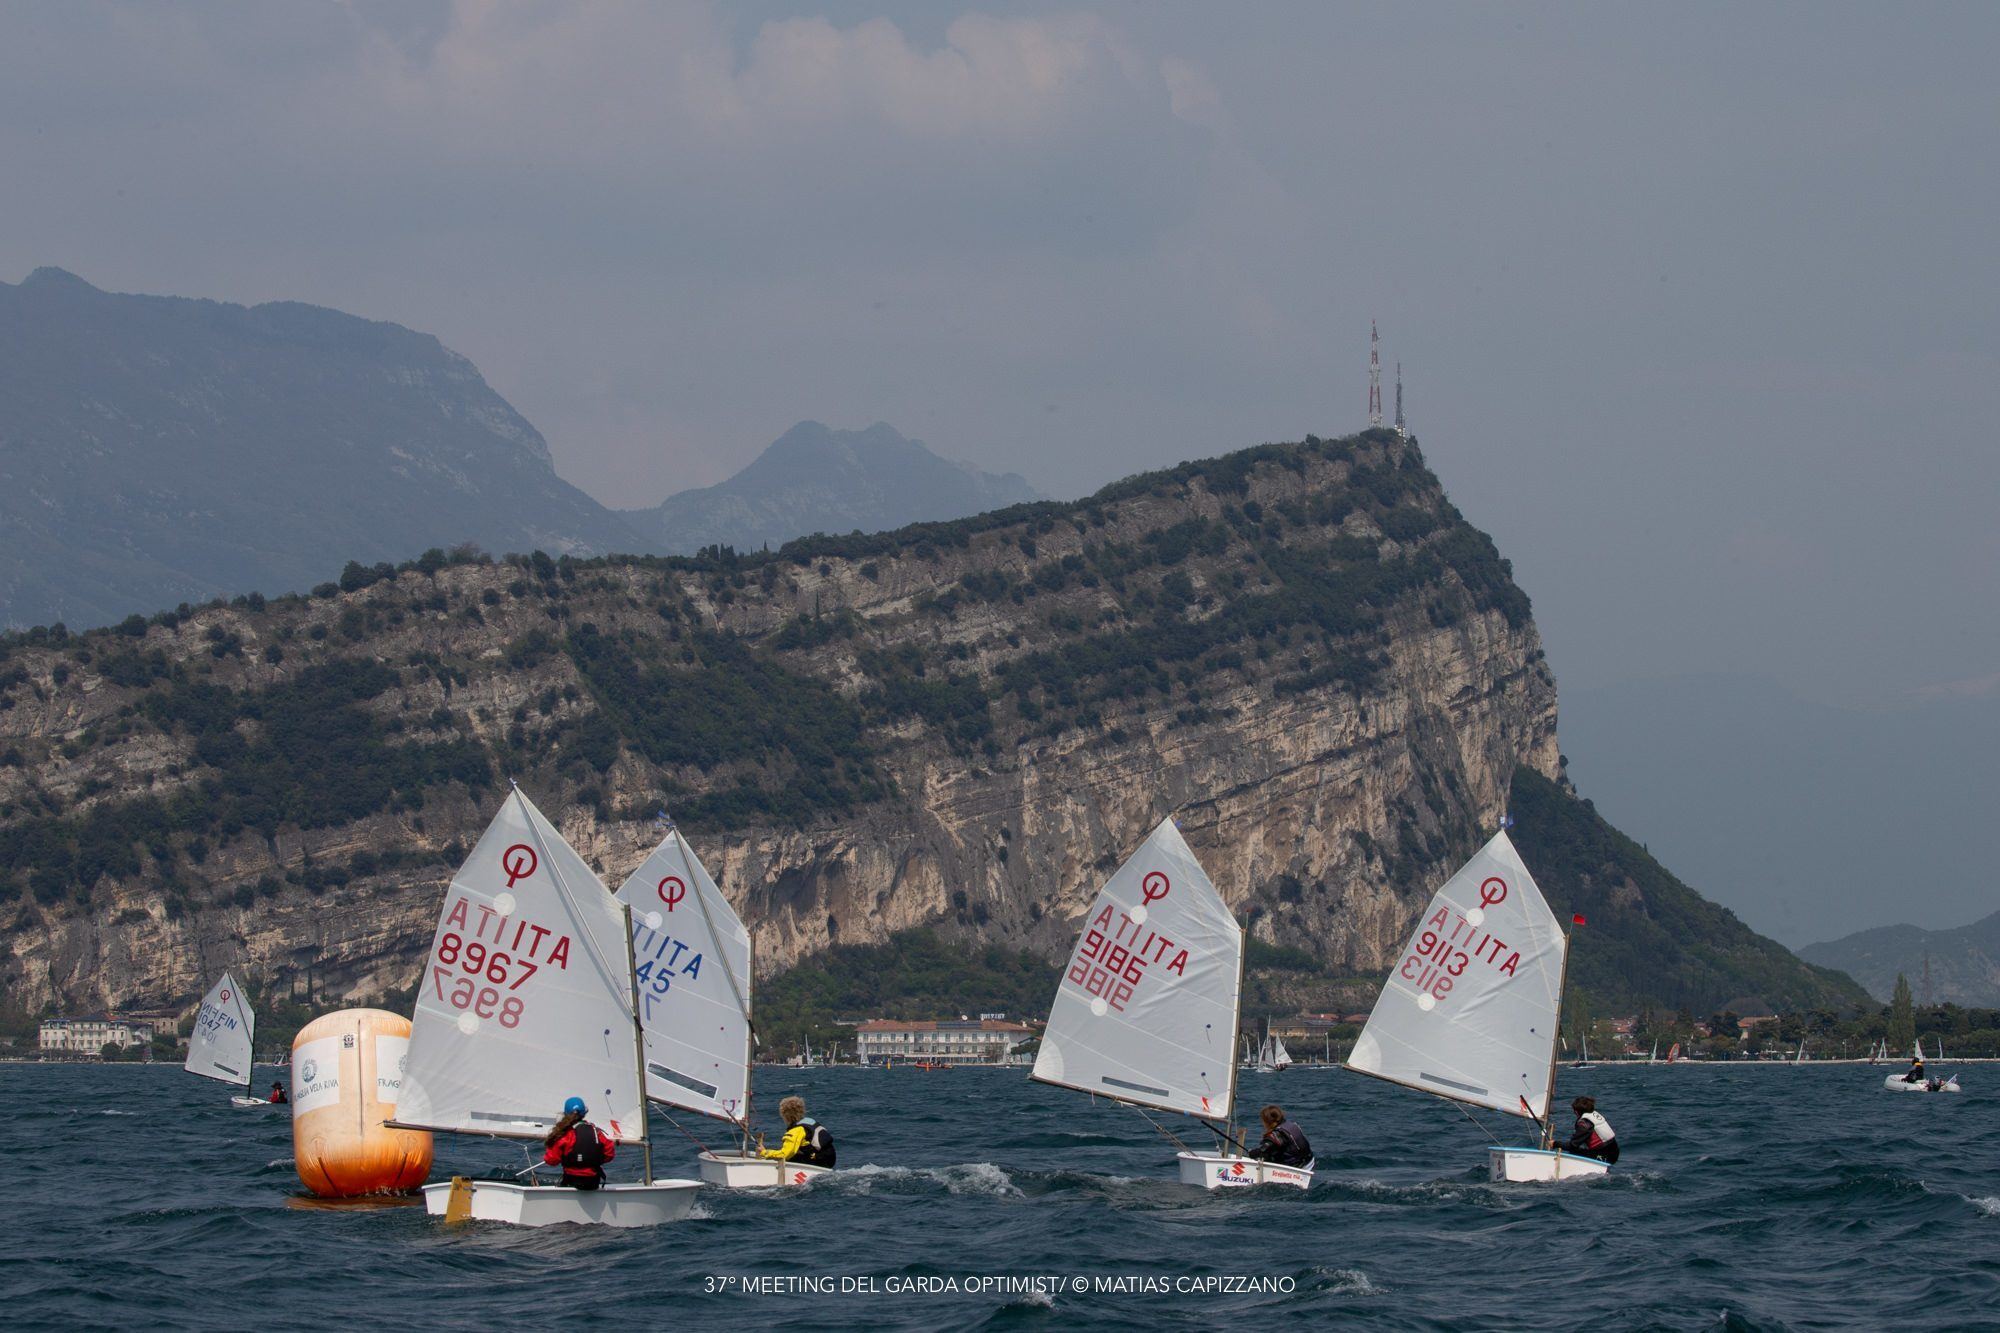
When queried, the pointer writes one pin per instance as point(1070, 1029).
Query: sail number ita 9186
point(482, 959)
point(1114, 954)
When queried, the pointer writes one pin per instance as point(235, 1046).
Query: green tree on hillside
point(1902, 1020)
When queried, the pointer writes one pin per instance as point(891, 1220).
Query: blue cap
point(574, 1106)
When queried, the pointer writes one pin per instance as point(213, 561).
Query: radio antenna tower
point(1399, 400)
point(1374, 376)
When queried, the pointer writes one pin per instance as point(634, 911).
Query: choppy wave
point(1745, 1200)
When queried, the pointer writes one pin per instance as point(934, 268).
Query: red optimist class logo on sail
point(1118, 951)
point(1451, 942)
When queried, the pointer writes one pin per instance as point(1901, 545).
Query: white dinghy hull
point(1529, 1165)
point(733, 1170)
point(248, 1101)
point(1217, 1172)
point(546, 1205)
point(1895, 1083)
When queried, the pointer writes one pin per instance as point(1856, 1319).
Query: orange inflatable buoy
point(347, 1075)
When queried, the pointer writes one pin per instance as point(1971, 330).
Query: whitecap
point(1990, 1205)
point(975, 1178)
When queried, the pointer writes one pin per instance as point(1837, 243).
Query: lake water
point(1747, 1198)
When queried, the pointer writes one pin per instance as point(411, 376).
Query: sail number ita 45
point(482, 959)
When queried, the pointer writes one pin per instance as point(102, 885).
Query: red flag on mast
point(1576, 919)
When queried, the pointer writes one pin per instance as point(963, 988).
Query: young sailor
point(578, 1147)
point(1592, 1136)
point(278, 1097)
point(1916, 1074)
point(806, 1141)
point(1284, 1142)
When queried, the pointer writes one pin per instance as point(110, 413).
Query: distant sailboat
point(1472, 1011)
point(220, 1045)
point(1800, 1058)
point(1674, 1053)
point(1149, 1006)
point(1583, 1061)
point(1654, 1058)
point(1272, 1057)
point(528, 997)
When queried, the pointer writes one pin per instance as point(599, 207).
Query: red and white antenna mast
point(1374, 376)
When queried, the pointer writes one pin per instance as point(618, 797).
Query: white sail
point(1280, 1057)
point(219, 1046)
point(1470, 1009)
point(693, 958)
point(526, 998)
point(1147, 1008)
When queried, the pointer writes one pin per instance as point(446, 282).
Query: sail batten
point(224, 1029)
point(693, 976)
point(1470, 1009)
point(1146, 1012)
point(524, 1001)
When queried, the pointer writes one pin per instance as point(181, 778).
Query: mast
point(749, 1053)
point(1562, 990)
point(1236, 1025)
point(639, 1046)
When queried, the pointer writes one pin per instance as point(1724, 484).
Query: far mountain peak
point(815, 478)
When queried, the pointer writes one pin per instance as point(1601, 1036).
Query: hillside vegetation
point(1302, 650)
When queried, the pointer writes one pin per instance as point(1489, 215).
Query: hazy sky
point(1697, 303)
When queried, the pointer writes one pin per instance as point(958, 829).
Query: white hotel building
point(982, 1041)
point(89, 1036)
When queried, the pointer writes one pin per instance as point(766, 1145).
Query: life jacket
point(278, 1097)
point(817, 1150)
point(585, 1155)
point(1600, 1129)
point(1293, 1149)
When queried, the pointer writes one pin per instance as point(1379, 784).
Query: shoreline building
point(90, 1035)
point(965, 1041)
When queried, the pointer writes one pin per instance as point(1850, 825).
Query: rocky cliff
point(1301, 650)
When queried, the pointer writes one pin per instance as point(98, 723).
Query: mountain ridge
point(156, 449)
point(1302, 650)
point(1963, 962)
point(161, 449)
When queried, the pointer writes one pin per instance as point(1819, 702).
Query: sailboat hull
point(1217, 1172)
point(1528, 1165)
point(248, 1101)
point(546, 1205)
point(1894, 1083)
point(736, 1171)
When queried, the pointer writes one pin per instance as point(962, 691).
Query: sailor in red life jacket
point(278, 1097)
point(1592, 1136)
point(578, 1147)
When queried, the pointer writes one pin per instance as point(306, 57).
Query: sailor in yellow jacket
point(806, 1141)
